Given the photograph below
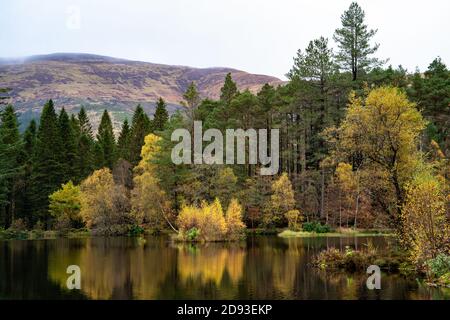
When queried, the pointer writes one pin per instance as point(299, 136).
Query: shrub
point(438, 266)
point(349, 260)
point(135, 231)
point(193, 234)
point(316, 227)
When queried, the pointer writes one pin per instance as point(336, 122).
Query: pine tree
point(106, 151)
point(229, 90)
point(29, 141)
point(85, 147)
point(48, 169)
point(10, 166)
point(191, 102)
point(123, 143)
point(85, 125)
point(69, 146)
point(140, 127)
point(161, 115)
point(353, 40)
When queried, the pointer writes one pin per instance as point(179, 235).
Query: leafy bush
point(316, 227)
point(192, 234)
point(135, 231)
point(438, 266)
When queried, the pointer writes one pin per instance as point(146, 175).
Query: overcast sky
point(258, 36)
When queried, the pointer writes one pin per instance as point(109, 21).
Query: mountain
point(100, 82)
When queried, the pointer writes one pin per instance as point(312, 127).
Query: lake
point(262, 267)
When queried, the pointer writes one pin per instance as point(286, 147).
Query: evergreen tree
point(10, 164)
point(312, 78)
point(106, 151)
point(140, 127)
point(123, 143)
point(432, 94)
point(85, 146)
point(69, 146)
point(29, 138)
point(29, 146)
point(191, 102)
point(48, 168)
point(75, 125)
point(161, 115)
point(229, 90)
point(353, 40)
point(85, 125)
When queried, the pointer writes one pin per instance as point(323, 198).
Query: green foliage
point(123, 143)
point(140, 127)
point(229, 90)
point(193, 234)
point(69, 146)
point(316, 227)
point(136, 231)
point(106, 143)
point(65, 206)
point(438, 267)
point(10, 164)
point(161, 115)
point(85, 146)
point(353, 40)
point(48, 169)
point(431, 91)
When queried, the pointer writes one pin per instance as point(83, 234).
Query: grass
point(337, 233)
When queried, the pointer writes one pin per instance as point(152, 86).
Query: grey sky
point(258, 36)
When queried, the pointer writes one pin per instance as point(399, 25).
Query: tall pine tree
point(69, 146)
point(140, 127)
point(106, 143)
point(29, 146)
point(10, 164)
point(161, 115)
point(48, 169)
point(85, 146)
point(123, 143)
point(353, 40)
point(229, 90)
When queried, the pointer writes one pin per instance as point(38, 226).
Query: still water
point(265, 267)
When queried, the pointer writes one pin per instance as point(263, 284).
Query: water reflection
point(130, 268)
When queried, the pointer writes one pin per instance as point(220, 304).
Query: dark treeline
point(307, 110)
point(62, 148)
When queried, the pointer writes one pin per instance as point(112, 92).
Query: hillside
point(99, 82)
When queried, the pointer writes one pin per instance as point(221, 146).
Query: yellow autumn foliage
point(149, 203)
point(426, 229)
point(104, 205)
point(281, 201)
point(209, 221)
